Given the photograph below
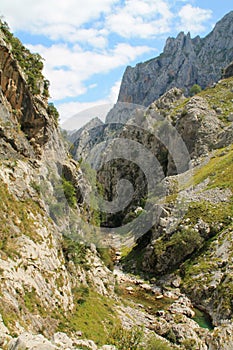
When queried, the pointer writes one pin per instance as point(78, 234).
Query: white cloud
point(84, 111)
point(69, 68)
point(91, 31)
point(75, 114)
point(193, 18)
point(114, 92)
point(64, 20)
point(35, 15)
point(140, 18)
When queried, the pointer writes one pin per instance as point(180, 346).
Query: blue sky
point(87, 44)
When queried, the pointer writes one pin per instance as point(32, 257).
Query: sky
point(87, 44)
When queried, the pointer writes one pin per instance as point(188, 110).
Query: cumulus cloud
point(193, 18)
point(68, 68)
point(36, 15)
point(140, 18)
point(82, 112)
point(90, 38)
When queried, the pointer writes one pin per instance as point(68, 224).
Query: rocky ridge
point(50, 280)
point(184, 62)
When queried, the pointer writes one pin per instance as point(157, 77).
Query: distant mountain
point(183, 62)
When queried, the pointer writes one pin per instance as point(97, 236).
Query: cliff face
point(55, 290)
point(40, 267)
point(184, 62)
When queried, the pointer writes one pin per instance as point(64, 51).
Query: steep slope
point(184, 62)
point(45, 273)
point(55, 290)
point(198, 247)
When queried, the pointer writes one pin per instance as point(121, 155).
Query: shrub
point(74, 251)
point(106, 255)
point(195, 89)
point(69, 192)
point(157, 344)
point(125, 339)
point(52, 111)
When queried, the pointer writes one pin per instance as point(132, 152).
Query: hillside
point(66, 254)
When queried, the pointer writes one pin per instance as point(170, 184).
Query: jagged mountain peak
point(183, 63)
point(50, 279)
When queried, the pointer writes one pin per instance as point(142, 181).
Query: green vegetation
point(181, 244)
point(30, 63)
point(14, 213)
point(157, 344)
point(218, 170)
point(195, 89)
point(125, 339)
point(107, 256)
point(9, 315)
point(52, 111)
point(74, 251)
point(189, 344)
point(220, 96)
point(95, 217)
point(94, 315)
point(212, 214)
point(35, 186)
point(200, 270)
point(69, 192)
point(33, 303)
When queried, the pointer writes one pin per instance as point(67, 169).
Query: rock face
point(40, 269)
point(228, 71)
point(184, 62)
point(54, 288)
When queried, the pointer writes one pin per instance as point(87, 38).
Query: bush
point(126, 339)
point(74, 251)
point(52, 111)
point(195, 89)
point(69, 192)
point(157, 344)
point(106, 255)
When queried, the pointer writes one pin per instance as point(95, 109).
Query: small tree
point(195, 89)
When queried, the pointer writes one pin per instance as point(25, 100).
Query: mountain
point(183, 63)
point(157, 204)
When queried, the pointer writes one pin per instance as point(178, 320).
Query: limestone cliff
point(55, 290)
point(44, 272)
point(183, 62)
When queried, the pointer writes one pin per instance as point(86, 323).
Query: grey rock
point(89, 344)
point(228, 71)
point(29, 341)
point(184, 62)
point(62, 340)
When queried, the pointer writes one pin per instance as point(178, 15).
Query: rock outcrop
point(183, 63)
point(56, 292)
point(228, 71)
point(42, 266)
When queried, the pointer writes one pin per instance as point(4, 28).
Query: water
point(203, 319)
